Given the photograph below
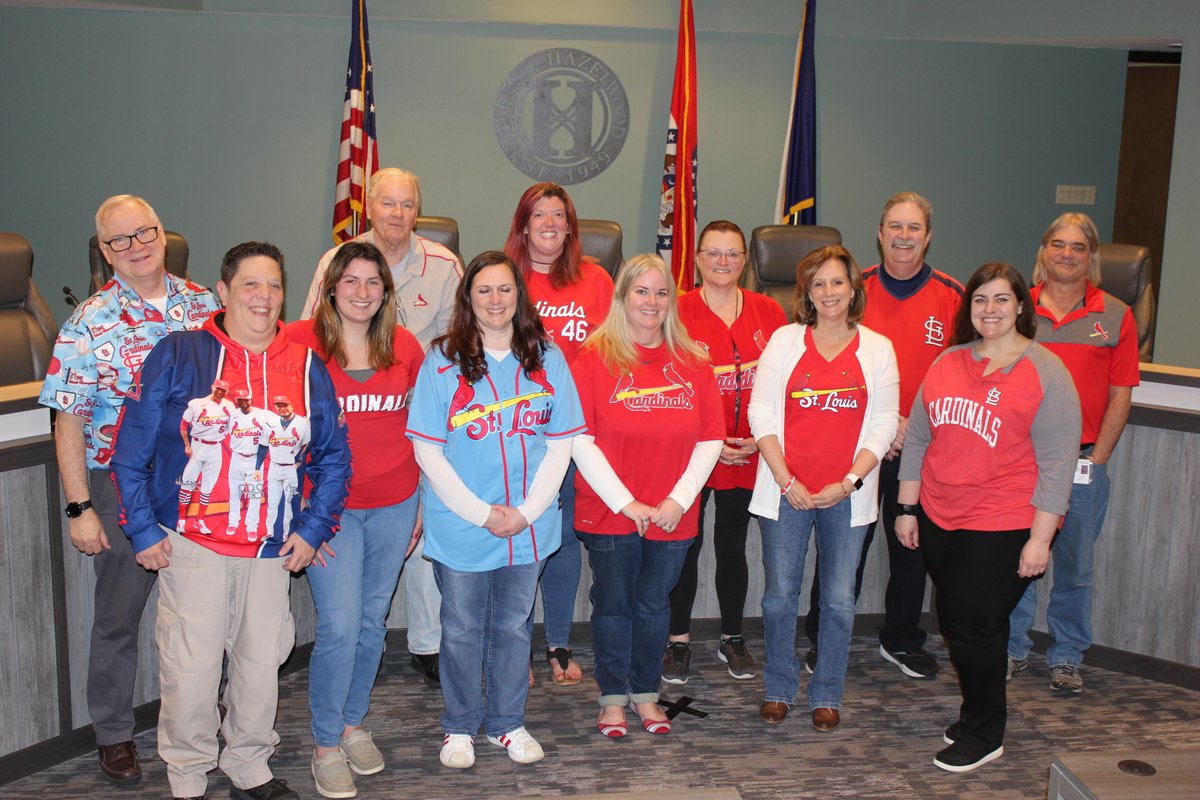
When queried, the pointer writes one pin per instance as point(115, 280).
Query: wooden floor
point(891, 729)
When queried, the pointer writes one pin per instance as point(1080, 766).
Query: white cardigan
point(882, 417)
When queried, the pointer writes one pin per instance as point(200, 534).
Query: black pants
point(733, 576)
point(977, 588)
point(905, 594)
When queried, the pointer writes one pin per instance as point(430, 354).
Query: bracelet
point(787, 485)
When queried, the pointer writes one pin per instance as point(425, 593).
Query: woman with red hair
point(571, 293)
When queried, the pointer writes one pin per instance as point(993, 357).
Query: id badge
point(1083, 471)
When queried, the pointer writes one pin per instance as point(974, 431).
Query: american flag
point(358, 154)
point(677, 208)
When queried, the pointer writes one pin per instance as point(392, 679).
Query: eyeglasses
point(119, 244)
point(717, 255)
point(1074, 247)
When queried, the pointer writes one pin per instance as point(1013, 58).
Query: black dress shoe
point(427, 667)
point(119, 762)
point(274, 789)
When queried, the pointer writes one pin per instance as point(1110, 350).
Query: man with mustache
point(1095, 336)
point(914, 305)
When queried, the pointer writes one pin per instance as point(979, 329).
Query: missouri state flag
point(677, 208)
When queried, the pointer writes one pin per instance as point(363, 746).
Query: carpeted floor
point(891, 728)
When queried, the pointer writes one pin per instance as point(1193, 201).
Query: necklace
point(737, 304)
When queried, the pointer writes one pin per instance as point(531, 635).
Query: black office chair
point(443, 230)
point(775, 250)
point(1125, 274)
point(27, 327)
point(602, 240)
point(177, 260)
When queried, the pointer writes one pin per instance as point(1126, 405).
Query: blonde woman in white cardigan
point(823, 412)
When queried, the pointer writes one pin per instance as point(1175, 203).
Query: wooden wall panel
point(29, 690)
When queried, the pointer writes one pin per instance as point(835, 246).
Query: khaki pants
point(208, 605)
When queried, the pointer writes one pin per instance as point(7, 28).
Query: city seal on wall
point(562, 116)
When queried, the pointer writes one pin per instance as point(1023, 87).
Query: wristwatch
point(905, 510)
point(857, 481)
point(74, 510)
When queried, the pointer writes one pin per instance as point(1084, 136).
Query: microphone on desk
point(71, 299)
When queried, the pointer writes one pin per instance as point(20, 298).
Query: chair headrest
point(443, 230)
point(602, 240)
point(16, 267)
point(775, 250)
point(1124, 271)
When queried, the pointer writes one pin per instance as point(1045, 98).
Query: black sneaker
point(963, 756)
point(426, 665)
point(733, 652)
point(953, 733)
point(915, 663)
point(810, 660)
point(274, 789)
point(676, 663)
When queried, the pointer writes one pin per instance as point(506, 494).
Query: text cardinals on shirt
point(370, 401)
point(965, 413)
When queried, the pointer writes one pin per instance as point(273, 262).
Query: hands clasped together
point(665, 515)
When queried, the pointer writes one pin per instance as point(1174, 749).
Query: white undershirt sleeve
point(549, 476)
point(695, 475)
point(599, 473)
point(449, 487)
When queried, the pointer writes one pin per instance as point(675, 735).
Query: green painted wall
point(228, 121)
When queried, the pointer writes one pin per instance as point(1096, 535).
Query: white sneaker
point(200, 526)
point(522, 748)
point(458, 751)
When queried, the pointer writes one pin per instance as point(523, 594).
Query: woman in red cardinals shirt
point(733, 326)
point(990, 454)
point(572, 294)
point(654, 434)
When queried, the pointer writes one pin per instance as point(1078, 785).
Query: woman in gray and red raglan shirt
point(990, 454)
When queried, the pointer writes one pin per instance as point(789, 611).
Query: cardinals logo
point(420, 302)
point(1099, 332)
point(676, 393)
point(482, 419)
point(760, 340)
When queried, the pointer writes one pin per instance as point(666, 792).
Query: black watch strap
point(905, 510)
point(74, 510)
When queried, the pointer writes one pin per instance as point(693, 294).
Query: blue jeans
point(1069, 615)
point(560, 574)
point(784, 547)
point(485, 647)
point(352, 594)
point(632, 580)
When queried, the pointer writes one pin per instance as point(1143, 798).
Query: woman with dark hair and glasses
point(571, 293)
point(985, 478)
point(823, 411)
point(492, 421)
point(373, 364)
point(733, 326)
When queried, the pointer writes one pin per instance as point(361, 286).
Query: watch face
point(74, 510)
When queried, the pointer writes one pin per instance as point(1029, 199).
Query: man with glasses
point(914, 305)
point(1095, 336)
point(97, 360)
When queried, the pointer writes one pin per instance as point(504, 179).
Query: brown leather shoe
point(825, 719)
point(773, 712)
point(119, 762)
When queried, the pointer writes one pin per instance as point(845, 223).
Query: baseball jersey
point(206, 419)
point(245, 430)
point(990, 449)
point(919, 325)
point(284, 439)
point(98, 354)
point(376, 411)
point(1098, 344)
point(733, 351)
point(570, 313)
point(493, 432)
point(646, 423)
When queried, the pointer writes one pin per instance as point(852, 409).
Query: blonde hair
point(119, 200)
point(612, 339)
